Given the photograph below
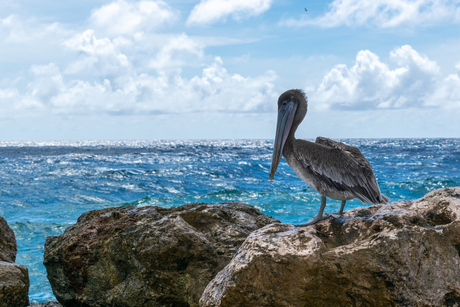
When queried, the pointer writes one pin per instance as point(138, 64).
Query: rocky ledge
point(148, 256)
point(400, 254)
point(14, 278)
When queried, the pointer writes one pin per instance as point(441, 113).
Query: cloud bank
point(119, 64)
point(371, 84)
point(123, 91)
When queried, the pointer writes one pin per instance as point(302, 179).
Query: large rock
point(8, 246)
point(148, 256)
point(14, 278)
point(401, 254)
point(14, 285)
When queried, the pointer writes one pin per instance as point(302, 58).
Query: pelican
point(331, 168)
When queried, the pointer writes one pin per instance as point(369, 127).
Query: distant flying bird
point(306, 10)
point(331, 168)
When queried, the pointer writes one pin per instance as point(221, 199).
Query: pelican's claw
point(337, 215)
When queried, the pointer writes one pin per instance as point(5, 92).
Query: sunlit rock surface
point(147, 256)
point(401, 254)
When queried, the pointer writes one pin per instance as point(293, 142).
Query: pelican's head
point(292, 107)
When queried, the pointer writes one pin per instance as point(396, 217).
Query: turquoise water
point(45, 186)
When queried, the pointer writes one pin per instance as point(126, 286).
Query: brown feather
point(339, 167)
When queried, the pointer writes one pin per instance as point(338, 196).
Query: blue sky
point(215, 68)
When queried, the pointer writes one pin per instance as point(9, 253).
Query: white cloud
point(179, 51)
point(214, 91)
point(126, 18)
point(383, 13)
point(370, 83)
point(28, 41)
point(47, 83)
point(211, 11)
point(447, 94)
point(217, 90)
point(97, 56)
point(104, 57)
point(9, 100)
point(17, 31)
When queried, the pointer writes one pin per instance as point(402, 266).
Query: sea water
point(46, 186)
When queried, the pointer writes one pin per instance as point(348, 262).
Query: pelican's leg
point(340, 213)
point(319, 216)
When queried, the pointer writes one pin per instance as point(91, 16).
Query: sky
point(214, 69)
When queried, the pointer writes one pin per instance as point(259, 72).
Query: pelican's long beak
point(285, 118)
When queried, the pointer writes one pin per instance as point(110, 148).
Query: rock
point(14, 285)
point(147, 256)
point(47, 304)
point(8, 246)
point(400, 254)
point(14, 278)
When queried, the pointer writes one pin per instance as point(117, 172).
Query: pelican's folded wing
point(339, 167)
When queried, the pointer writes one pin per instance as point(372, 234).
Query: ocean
point(46, 186)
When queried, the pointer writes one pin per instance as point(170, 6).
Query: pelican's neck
point(289, 144)
point(299, 116)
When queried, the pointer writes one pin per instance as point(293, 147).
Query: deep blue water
point(45, 186)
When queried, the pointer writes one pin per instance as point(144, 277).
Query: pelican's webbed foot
point(314, 219)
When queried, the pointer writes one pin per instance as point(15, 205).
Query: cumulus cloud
point(126, 18)
point(47, 82)
point(104, 57)
point(447, 94)
point(383, 13)
point(177, 52)
point(214, 91)
point(9, 102)
point(370, 83)
point(211, 11)
point(97, 56)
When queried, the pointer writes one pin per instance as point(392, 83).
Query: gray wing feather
point(340, 167)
